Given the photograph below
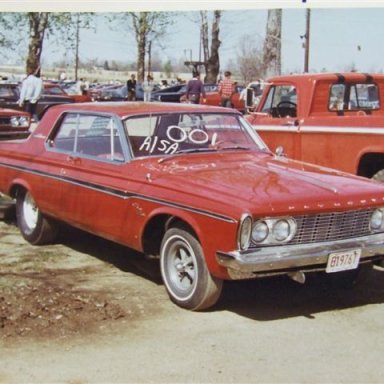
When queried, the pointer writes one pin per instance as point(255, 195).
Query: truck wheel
point(34, 227)
point(185, 274)
point(379, 176)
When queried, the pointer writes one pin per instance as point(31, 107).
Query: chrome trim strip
point(320, 129)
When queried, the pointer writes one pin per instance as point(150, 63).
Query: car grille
point(5, 120)
point(332, 226)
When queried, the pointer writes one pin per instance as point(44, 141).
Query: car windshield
point(168, 134)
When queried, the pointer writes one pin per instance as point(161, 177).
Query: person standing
point(30, 93)
point(147, 87)
point(131, 88)
point(226, 90)
point(195, 89)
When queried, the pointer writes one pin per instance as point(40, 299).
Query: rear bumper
point(305, 257)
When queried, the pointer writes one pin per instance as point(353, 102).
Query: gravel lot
point(88, 311)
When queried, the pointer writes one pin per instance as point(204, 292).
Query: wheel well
point(16, 189)
point(370, 164)
point(155, 231)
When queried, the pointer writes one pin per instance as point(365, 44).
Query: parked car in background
point(194, 186)
point(113, 93)
point(13, 123)
point(170, 94)
point(96, 92)
point(213, 97)
point(176, 94)
point(54, 89)
point(10, 94)
point(120, 93)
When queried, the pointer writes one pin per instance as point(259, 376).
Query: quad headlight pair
point(19, 121)
point(376, 223)
point(267, 231)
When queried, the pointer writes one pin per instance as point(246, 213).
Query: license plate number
point(343, 261)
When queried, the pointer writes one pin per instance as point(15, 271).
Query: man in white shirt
point(147, 87)
point(31, 90)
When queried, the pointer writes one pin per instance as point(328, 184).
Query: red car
point(13, 122)
point(194, 186)
point(55, 89)
point(213, 98)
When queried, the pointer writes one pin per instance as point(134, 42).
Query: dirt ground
point(58, 291)
point(89, 311)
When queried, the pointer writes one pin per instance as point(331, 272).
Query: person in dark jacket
point(195, 89)
point(131, 88)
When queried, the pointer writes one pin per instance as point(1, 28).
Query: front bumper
point(276, 260)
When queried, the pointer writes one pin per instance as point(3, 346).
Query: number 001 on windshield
point(342, 261)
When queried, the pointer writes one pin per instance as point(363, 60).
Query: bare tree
point(38, 22)
point(250, 60)
point(148, 27)
point(272, 44)
point(35, 26)
point(211, 56)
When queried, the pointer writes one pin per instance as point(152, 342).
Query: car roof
point(125, 108)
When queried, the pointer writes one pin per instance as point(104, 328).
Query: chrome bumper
point(274, 260)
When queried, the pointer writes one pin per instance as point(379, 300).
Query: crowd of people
point(32, 88)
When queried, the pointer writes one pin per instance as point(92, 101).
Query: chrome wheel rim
point(180, 267)
point(30, 211)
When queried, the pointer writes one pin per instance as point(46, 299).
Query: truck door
point(277, 122)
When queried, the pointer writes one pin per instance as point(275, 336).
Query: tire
point(379, 176)
point(34, 227)
point(185, 274)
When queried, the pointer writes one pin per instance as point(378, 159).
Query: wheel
point(34, 227)
point(379, 176)
point(185, 274)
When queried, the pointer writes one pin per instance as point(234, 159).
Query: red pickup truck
point(331, 119)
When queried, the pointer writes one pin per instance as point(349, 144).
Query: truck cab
point(331, 119)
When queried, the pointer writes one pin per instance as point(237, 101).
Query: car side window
point(5, 92)
point(89, 135)
point(354, 97)
point(281, 101)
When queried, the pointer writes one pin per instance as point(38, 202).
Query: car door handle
point(292, 123)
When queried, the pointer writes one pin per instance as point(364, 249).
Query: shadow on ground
point(262, 300)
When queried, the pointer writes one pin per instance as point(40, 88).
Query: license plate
point(343, 261)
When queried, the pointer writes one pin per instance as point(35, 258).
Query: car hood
point(11, 112)
point(260, 182)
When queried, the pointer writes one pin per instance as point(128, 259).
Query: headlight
point(24, 121)
point(244, 235)
point(377, 220)
point(272, 231)
point(14, 121)
point(260, 231)
point(281, 230)
point(19, 121)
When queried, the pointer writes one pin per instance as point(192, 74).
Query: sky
point(342, 34)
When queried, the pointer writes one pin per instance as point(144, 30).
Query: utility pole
point(77, 45)
point(306, 42)
point(149, 57)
